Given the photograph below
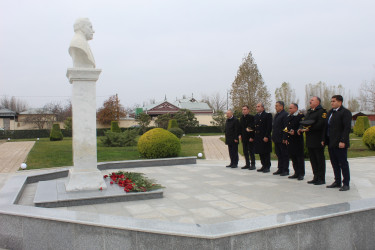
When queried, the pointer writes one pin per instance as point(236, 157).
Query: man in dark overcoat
point(314, 137)
point(278, 126)
point(262, 138)
point(247, 133)
point(294, 142)
point(232, 131)
point(336, 133)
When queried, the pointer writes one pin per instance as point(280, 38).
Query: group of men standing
point(286, 131)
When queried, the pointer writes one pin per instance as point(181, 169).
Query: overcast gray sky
point(148, 49)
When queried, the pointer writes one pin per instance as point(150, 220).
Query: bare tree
point(13, 104)
point(286, 94)
point(324, 92)
point(367, 95)
point(41, 118)
point(216, 101)
point(61, 112)
point(248, 87)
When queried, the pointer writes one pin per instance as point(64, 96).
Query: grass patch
point(47, 154)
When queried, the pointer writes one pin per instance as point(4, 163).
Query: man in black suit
point(247, 132)
point(232, 131)
point(262, 138)
point(336, 134)
point(278, 126)
point(314, 136)
point(294, 142)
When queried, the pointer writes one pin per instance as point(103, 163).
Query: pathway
point(12, 154)
point(215, 149)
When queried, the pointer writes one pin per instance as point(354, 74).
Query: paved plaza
point(208, 192)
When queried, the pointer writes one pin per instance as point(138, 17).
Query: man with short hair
point(278, 126)
point(336, 133)
point(247, 133)
point(314, 137)
point(262, 138)
point(294, 142)
point(232, 127)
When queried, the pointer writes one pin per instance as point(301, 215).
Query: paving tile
point(222, 204)
point(207, 212)
point(206, 197)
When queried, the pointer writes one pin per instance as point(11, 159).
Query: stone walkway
point(12, 154)
point(215, 149)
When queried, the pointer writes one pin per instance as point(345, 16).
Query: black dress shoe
point(320, 182)
point(277, 172)
point(300, 178)
point(312, 181)
point(245, 167)
point(334, 185)
point(293, 176)
point(261, 169)
point(344, 188)
point(252, 168)
point(284, 174)
point(234, 166)
point(266, 170)
point(229, 166)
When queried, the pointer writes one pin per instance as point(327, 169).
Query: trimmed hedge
point(158, 143)
point(56, 134)
point(361, 125)
point(203, 129)
point(177, 132)
point(123, 139)
point(114, 127)
point(369, 138)
point(172, 124)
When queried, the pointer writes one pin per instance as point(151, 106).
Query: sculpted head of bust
point(79, 48)
point(84, 25)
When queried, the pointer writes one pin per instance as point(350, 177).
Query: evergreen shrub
point(56, 134)
point(158, 143)
point(369, 138)
point(177, 132)
point(114, 127)
point(118, 139)
point(360, 126)
point(172, 123)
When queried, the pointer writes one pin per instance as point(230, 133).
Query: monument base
point(85, 180)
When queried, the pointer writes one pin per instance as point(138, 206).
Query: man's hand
point(341, 145)
point(251, 140)
point(265, 139)
point(291, 132)
point(299, 131)
point(306, 129)
point(236, 141)
point(322, 143)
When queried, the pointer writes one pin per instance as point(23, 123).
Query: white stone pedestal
point(85, 174)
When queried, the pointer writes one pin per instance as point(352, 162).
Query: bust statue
point(79, 48)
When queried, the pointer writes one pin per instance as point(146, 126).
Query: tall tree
point(162, 120)
point(248, 87)
point(286, 94)
point(112, 110)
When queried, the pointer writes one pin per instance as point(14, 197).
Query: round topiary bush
point(369, 138)
point(158, 143)
point(56, 134)
point(177, 132)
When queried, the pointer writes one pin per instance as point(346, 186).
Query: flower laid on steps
point(133, 182)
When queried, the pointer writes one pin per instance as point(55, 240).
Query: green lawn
point(46, 153)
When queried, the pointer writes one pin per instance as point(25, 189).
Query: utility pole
point(227, 100)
